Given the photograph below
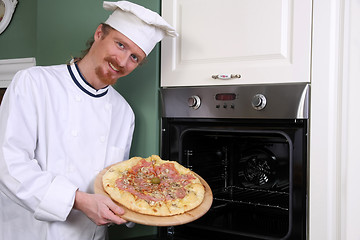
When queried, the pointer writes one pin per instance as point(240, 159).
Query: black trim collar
point(83, 84)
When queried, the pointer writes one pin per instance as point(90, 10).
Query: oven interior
point(253, 172)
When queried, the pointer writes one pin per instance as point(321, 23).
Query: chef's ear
point(98, 33)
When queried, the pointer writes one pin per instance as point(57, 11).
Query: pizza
point(153, 186)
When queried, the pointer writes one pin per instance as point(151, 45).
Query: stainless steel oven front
point(250, 143)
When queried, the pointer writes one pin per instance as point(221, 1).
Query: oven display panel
point(225, 96)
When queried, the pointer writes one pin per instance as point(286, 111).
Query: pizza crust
point(194, 196)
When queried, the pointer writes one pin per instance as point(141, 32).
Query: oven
point(250, 144)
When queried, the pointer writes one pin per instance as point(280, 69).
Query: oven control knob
point(194, 102)
point(259, 101)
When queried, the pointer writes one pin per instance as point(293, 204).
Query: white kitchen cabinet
point(263, 41)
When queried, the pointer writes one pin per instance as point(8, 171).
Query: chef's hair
point(105, 28)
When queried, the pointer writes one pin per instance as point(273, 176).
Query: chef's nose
point(123, 59)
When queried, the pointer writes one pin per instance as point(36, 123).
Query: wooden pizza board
point(149, 220)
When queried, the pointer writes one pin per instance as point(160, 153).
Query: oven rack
point(251, 196)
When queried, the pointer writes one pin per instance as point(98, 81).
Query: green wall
point(53, 31)
point(19, 38)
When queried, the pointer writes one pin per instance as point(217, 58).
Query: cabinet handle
point(226, 76)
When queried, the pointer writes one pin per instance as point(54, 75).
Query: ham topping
point(154, 183)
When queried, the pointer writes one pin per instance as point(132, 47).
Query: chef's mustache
point(114, 63)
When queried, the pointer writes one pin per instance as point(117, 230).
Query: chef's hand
point(100, 209)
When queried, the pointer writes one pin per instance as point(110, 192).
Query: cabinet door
point(263, 41)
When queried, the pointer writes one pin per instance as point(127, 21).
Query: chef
point(61, 125)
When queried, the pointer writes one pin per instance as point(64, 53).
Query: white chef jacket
point(56, 134)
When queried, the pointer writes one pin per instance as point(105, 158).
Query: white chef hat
point(142, 26)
